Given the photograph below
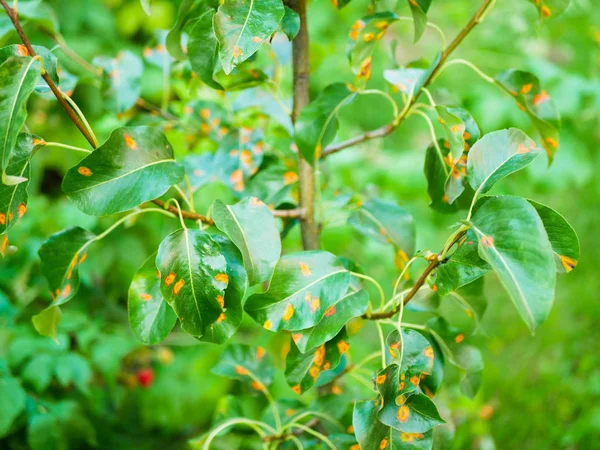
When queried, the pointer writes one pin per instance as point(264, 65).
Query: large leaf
point(13, 198)
point(303, 287)
point(531, 98)
point(12, 403)
point(194, 277)
point(251, 227)
point(290, 23)
point(61, 255)
point(242, 26)
point(352, 305)
point(512, 239)
point(133, 166)
point(246, 363)
point(231, 317)
point(203, 49)
point(497, 155)
point(562, 236)
point(317, 124)
point(302, 370)
point(419, 9)
point(18, 76)
point(122, 80)
point(150, 317)
point(385, 222)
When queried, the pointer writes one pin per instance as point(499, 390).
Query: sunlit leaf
point(512, 239)
point(251, 227)
point(146, 6)
point(245, 363)
point(121, 83)
point(133, 166)
point(46, 322)
point(242, 26)
point(150, 316)
point(193, 274)
point(303, 287)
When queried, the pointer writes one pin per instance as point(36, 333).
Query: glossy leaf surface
point(47, 56)
point(134, 165)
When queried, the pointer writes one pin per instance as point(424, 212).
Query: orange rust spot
point(343, 347)
point(415, 380)
point(553, 143)
point(258, 386)
point(526, 88)
point(336, 390)
point(365, 69)
point(237, 52)
point(327, 365)
point(304, 269)
point(255, 201)
point(86, 172)
point(356, 28)
point(330, 311)
point(487, 241)
point(257, 39)
point(222, 278)
point(289, 312)
point(459, 338)
point(66, 290)
point(2, 219)
point(403, 414)
point(546, 11)
point(522, 148)
point(178, 286)
point(170, 278)
point(314, 372)
point(130, 142)
point(381, 379)
point(383, 444)
point(429, 352)
point(83, 258)
point(486, 412)
point(4, 244)
point(22, 209)
point(368, 37)
point(241, 370)
point(221, 301)
point(146, 297)
point(267, 325)
point(147, 52)
point(236, 176)
point(296, 337)
point(290, 177)
point(319, 355)
point(541, 98)
point(246, 157)
point(315, 304)
point(205, 128)
point(568, 263)
point(22, 50)
point(290, 412)
point(260, 353)
point(355, 447)
point(394, 347)
point(455, 128)
point(221, 318)
point(297, 389)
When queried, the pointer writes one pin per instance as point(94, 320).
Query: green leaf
point(189, 12)
point(48, 57)
point(385, 222)
point(242, 26)
point(302, 370)
point(370, 433)
point(410, 80)
point(512, 239)
point(304, 286)
point(12, 403)
point(251, 227)
point(244, 76)
point(73, 368)
point(562, 236)
point(463, 267)
point(246, 363)
point(339, 4)
point(229, 321)
point(549, 9)
point(146, 6)
point(410, 413)
point(121, 81)
point(203, 49)
point(472, 300)
point(18, 76)
point(274, 184)
point(150, 316)
point(352, 305)
point(38, 372)
point(317, 124)
point(211, 119)
point(46, 322)
point(133, 166)
point(45, 432)
point(13, 198)
point(193, 278)
point(537, 104)
point(419, 9)
point(290, 24)
point(35, 12)
point(61, 255)
point(498, 154)
point(437, 171)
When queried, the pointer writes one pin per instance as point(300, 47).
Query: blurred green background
point(539, 392)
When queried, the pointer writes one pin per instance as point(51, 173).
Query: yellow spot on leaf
point(330, 311)
point(568, 263)
point(319, 357)
point(146, 297)
point(383, 444)
point(315, 304)
point(257, 386)
point(66, 291)
point(526, 88)
point(170, 278)
point(487, 241)
point(459, 338)
point(240, 370)
point(86, 172)
point(2, 219)
point(403, 413)
point(178, 286)
point(221, 318)
point(130, 142)
point(22, 209)
point(314, 372)
point(260, 353)
point(289, 312)
point(22, 50)
point(296, 337)
point(267, 325)
point(290, 177)
point(246, 157)
point(304, 269)
point(381, 379)
point(343, 347)
point(546, 11)
point(297, 389)
point(364, 72)
point(415, 380)
point(222, 278)
point(541, 98)
point(368, 37)
point(257, 39)
point(221, 301)
point(237, 52)
point(429, 352)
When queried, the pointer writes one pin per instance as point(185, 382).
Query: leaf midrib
point(246, 251)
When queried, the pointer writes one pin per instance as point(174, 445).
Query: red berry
point(145, 377)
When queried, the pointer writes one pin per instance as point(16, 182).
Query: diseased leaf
point(35, 12)
point(245, 76)
point(47, 56)
point(386, 222)
point(410, 80)
point(275, 185)
point(498, 154)
point(18, 77)
point(194, 277)
point(290, 24)
point(150, 316)
point(251, 227)
point(122, 77)
point(229, 321)
point(61, 255)
point(370, 433)
point(203, 49)
point(242, 26)
point(12, 403)
point(134, 165)
point(317, 124)
point(211, 118)
point(472, 300)
point(419, 9)
point(303, 370)
point(245, 363)
point(352, 305)
point(46, 322)
point(562, 236)
point(303, 287)
point(537, 104)
point(512, 239)
point(549, 9)
point(189, 12)
point(13, 198)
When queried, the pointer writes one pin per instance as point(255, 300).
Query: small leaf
point(229, 321)
point(12, 403)
point(203, 49)
point(242, 26)
point(18, 77)
point(133, 166)
point(386, 222)
point(251, 227)
point(562, 236)
point(245, 363)
point(46, 322)
point(512, 239)
point(150, 316)
point(317, 124)
point(303, 287)
point(419, 9)
point(122, 80)
point(410, 80)
point(194, 277)
point(302, 370)
point(352, 305)
point(275, 184)
point(526, 89)
point(61, 255)
point(415, 355)
point(497, 155)
point(290, 24)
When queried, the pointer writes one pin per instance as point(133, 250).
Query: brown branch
point(388, 128)
point(55, 90)
point(433, 264)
